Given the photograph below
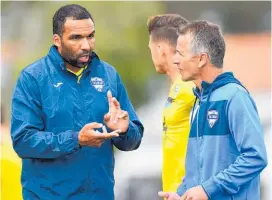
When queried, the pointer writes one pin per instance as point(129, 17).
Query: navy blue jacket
point(49, 107)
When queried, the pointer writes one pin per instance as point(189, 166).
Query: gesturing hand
point(89, 137)
point(169, 195)
point(195, 193)
point(116, 119)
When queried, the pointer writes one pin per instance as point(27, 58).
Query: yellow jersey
point(11, 166)
point(176, 127)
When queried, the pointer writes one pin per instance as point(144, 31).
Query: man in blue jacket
point(226, 151)
point(58, 107)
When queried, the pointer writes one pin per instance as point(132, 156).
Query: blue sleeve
point(246, 129)
point(132, 139)
point(182, 187)
point(29, 138)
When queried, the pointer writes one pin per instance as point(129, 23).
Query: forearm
point(47, 145)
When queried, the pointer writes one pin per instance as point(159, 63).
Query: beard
point(73, 58)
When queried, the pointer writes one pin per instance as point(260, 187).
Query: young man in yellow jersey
point(10, 165)
point(162, 43)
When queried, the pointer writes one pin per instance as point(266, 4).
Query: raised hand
point(116, 118)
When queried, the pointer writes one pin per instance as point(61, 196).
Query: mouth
point(180, 70)
point(84, 58)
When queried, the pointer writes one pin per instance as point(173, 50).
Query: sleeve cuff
point(130, 130)
point(181, 189)
point(75, 138)
point(211, 188)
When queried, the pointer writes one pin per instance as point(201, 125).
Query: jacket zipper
point(81, 99)
point(198, 139)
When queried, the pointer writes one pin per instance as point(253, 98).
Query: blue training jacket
point(49, 108)
point(226, 151)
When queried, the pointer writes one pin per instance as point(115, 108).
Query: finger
point(103, 136)
point(109, 135)
point(104, 129)
point(116, 103)
point(114, 133)
point(113, 117)
point(100, 143)
point(187, 198)
point(116, 116)
point(123, 115)
point(163, 194)
point(107, 117)
point(89, 132)
point(93, 125)
point(109, 95)
point(116, 108)
point(184, 196)
point(111, 105)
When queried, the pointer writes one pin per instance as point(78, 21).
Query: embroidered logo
point(98, 83)
point(177, 88)
point(212, 117)
point(58, 84)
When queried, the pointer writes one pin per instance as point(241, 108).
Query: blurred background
point(122, 40)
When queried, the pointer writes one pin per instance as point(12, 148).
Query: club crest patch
point(177, 88)
point(98, 83)
point(212, 117)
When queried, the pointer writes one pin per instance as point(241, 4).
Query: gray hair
point(206, 38)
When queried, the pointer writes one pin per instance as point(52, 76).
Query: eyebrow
point(178, 52)
point(78, 35)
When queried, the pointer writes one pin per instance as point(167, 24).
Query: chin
point(82, 65)
point(159, 71)
point(185, 78)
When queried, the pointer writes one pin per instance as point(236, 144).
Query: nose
point(85, 44)
point(175, 60)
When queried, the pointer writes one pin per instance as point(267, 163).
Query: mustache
point(84, 53)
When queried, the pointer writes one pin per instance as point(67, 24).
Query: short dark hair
point(76, 11)
point(207, 38)
point(165, 27)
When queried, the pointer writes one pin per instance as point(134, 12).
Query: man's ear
point(162, 48)
point(159, 49)
point(57, 40)
point(203, 59)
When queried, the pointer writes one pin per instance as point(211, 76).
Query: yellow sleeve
point(176, 132)
point(11, 173)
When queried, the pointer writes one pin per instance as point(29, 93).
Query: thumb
point(184, 196)
point(163, 194)
point(93, 125)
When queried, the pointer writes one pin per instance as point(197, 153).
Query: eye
point(91, 36)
